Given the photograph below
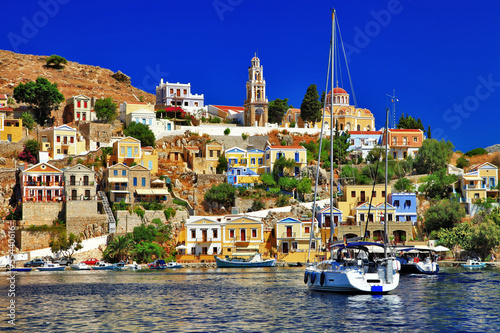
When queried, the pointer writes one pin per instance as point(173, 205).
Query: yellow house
point(10, 129)
point(274, 153)
point(354, 195)
point(251, 158)
point(236, 157)
point(128, 151)
point(60, 141)
point(242, 233)
point(291, 117)
point(480, 182)
point(127, 108)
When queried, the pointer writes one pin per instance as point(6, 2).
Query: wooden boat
point(474, 263)
point(51, 267)
point(244, 260)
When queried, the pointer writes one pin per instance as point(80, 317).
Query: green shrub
point(244, 136)
point(283, 200)
point(152, 205)
point(227, 131)
point(169, 212)
point(180, 202)
point(139, 211)
point(292, 124)
point(258, 205)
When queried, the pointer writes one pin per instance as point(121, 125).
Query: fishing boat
point(474, 263)
point(102, 266)
point(244, 260)
point(81, 266)
point(353, 265)
point(49, 266)
point(418, 261)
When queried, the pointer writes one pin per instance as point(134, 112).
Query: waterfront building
point(178, 94)
point(256, 103)
point(405, 204)
point(80, 183)
point(403, 142)
point(292, 119)
point(60, 141)
point(41, 183)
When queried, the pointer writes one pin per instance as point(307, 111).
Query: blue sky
point(441, 57)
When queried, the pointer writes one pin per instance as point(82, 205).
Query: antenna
point(394, 99)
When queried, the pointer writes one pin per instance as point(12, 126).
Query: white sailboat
point(352, 267)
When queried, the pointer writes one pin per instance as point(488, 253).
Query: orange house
point(404, 142)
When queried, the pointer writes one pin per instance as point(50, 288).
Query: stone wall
point(32, 240)
point(82, 216)
point(40, 213)
point(204, 180)
point(126, 221)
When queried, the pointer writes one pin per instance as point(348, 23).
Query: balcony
point(203, 240)
point(81, 183)
point(288, 234)
point(43, 184)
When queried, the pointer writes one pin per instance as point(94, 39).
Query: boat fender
point(322, 278)
point(416, 260)
point(306, 276)
point(396, 265)
point(312, 277)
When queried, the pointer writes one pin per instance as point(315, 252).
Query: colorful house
point(406, 206)
point(232, 113)
point(292, 117)
point(242, 177)
point(128, 107)
point(327, 219)
point(404, 142)
point(42, 182)
point(204, 237)
point(81, 183)
point(129, 151)
point(274, 153)
point(79, 108)
point(10, 129)
point(204, 159)
point(60, 141)
point(362, 142)
point(480, 182)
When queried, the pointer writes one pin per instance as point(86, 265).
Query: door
point(285, 247)
point(204, 235)
point(288, 231)
point(362, 199)
point(243, 234)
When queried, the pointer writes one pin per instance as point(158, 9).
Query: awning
point(158, 181)
point(143, 191)
point(181, 247)
point(249, 247)
point(117, 180)
point(472, 178)
point(441, 248)
point(152, 191)
point(159, 191)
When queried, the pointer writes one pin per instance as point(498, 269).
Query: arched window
point(341, 127)
point(359, 128)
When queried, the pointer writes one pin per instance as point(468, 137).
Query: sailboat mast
point(332, 49)
point(386, 164)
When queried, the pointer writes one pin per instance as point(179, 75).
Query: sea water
point(245, 300)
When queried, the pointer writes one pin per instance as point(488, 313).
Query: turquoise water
point(252, 300)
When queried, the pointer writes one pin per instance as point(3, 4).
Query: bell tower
point(256, 104)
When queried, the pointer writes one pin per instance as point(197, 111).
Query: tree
point(144, 252)
point(282, 167)
point(437, 185)
point(484, 237)
point(223, 194)
point(445, 214)
point(42, 96)
point(305, 186)
point(310, 109)
point(476, 151)
point(222, 166)
point(341, 143)
point(433, 155)
point(408, 122)
point(56, 61)
point(28, 120)
point(119, 248)
point(462, 162)
point(288, 183)
point(404, 185)
point(267, 179)
point(277, 109)
point(141, 132)
point(429, 132)
point(65, 245)
point(105, 109)
point(456, 238)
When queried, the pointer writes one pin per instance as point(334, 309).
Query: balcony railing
point(37, 183)
point(203, 240)
point(118, 188)
point(80, 183)
point(287, 234)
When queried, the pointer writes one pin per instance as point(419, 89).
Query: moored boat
point(418, 261)
point(244, 260)
point(81, 266)
point(474, 263)
point(51, 267)
point(102, 266)
point(19, 269)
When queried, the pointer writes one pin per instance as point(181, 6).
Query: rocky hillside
point(73, 79)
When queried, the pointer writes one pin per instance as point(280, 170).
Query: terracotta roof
point(232, 108)
point(286, 147)
point(6, 109)
point(404, 130)
point(3, 96)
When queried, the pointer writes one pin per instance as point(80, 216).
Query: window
point(185, 91)
point(58, 138)
point(150, 165)
point(313, 245)
point(85, 104)
point(254, 233)
point(252, 160)
point(185, 103)
point(405, 141)
point(353, 194)
point(129, 151)
point(124, 172)
point(214, 250)
point(476, 195)
point(136, 151)
point(297, 157)
point(122, 151)
point(407, 203)
point(405, 154)
point(78, 115)
point(78, 104)
point(87, 194)
point(214, 233)
point(415, 139)
point(374, 194)
point(260, 161)
point(394, 141)
point(231, 233)
point(115, 172)
point(295, 245)
point(383, 194)
point(389, 217)
point(267, 156)
point(408, 218)
point(193, 233)
point(193, 250)
point(362, 217)
point(135, 181)
point(396, 203)
point(72, 139)
point(143, 182)
point(204, 250)
point(306, 230)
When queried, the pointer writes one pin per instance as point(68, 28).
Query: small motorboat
point(133, 265)
point(418, 261)
point(173, 264)
point(80, 266)
point(102, 266)
point(474, 263)
point(158, 264)
point(244, 260)
point(49, 266)
point(19, 269)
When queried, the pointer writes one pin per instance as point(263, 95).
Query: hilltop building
point(178, 94)
point(256, 104)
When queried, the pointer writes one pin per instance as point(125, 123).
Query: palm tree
point(119, 248)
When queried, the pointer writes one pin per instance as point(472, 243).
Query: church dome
point(338, 90)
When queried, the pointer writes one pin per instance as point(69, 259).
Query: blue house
point(242, 176)
point(406, 206)
point(326, 217)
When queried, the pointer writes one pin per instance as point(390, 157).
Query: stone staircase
point(107, 209)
